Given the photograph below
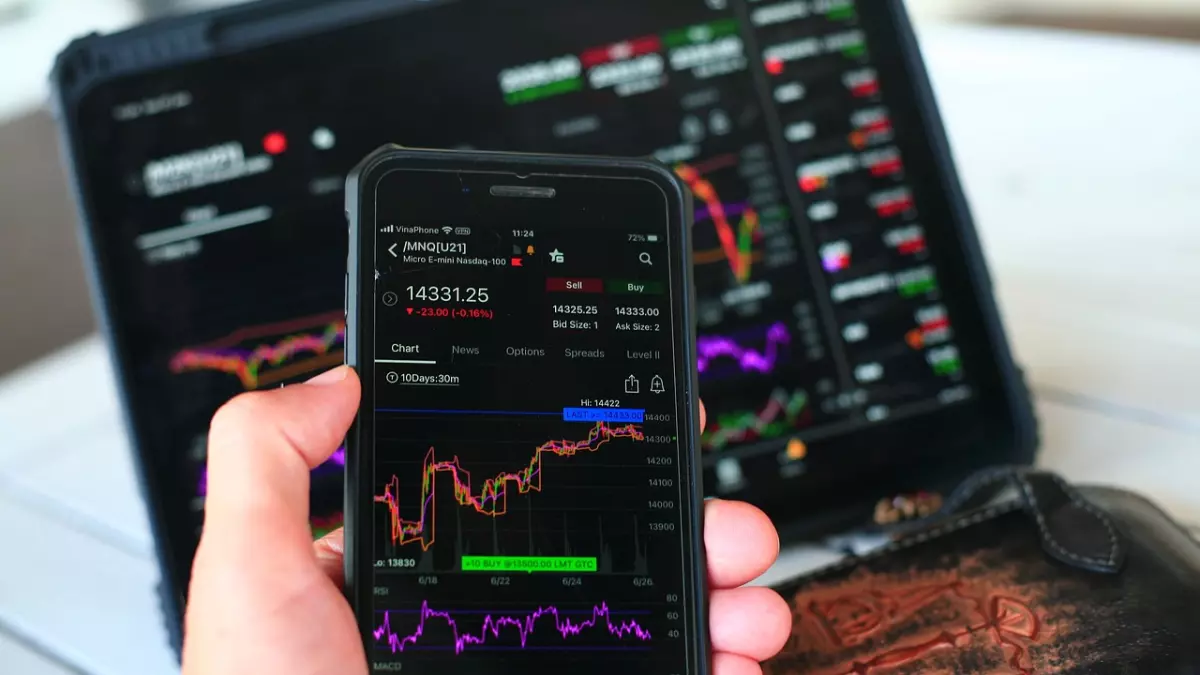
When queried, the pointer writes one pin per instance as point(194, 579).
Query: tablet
point(849, 344)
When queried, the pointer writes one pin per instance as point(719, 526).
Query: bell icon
point(657, 386)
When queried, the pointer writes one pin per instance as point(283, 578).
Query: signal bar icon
point(390, 229)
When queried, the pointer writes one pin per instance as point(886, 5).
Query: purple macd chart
point(493, 628)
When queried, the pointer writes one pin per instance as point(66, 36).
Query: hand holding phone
point(522, 485)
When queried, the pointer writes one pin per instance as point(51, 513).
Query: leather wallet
point(1019, 573)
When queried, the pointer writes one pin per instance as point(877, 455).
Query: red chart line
point(706, 193)
point(320, 342)
point(297, 325)
point(491, 499)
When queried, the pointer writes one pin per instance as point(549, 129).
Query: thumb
point(262, 447)
point(259, 601)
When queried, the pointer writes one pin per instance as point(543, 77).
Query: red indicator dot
point(275, 143)
point(775, 66)
point(813, 183)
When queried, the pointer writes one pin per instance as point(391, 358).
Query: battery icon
point(652, 237)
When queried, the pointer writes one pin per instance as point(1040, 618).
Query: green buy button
point(635, 287)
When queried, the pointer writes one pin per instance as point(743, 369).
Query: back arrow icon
point(392, 250)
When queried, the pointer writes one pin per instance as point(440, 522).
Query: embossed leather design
point(1050, 579)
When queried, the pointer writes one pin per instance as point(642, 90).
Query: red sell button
point(556, 285)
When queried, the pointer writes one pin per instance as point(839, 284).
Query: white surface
point(1085, 8)
point(28, 45)
point(93, 604)
point(1157, 462)
point(19, 659)
point(1078, 158)
point(75, 384)
point(1130, 8)
point(62, 481)
point(1077, 155)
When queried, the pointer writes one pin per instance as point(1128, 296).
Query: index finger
point(740, 541)
point(331, 555)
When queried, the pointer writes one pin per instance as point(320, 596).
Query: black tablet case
point(176, 41)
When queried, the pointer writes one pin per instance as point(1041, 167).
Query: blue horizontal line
point(473, 648)
point(603, 415)
point(469, 412)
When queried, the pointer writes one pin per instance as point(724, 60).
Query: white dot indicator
point(323, 139)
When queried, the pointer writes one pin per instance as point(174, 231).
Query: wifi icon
point(447, 230)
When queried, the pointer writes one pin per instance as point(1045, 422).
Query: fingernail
point(330, 376)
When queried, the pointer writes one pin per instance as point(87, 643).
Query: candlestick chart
point(269, 354)
point(495, 497)
point(784, 412)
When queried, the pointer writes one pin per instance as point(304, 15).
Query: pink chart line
point(716, 347)
point(524, 626)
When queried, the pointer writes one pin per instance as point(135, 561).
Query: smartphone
point(523, 486)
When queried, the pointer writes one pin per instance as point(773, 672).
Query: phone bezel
point(510, 168)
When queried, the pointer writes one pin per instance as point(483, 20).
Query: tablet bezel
point(95, 60)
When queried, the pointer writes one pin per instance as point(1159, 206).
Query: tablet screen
point(839, 334)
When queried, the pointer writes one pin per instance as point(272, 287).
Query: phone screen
point(532, 481)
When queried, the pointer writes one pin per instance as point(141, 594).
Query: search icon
point(645, 258)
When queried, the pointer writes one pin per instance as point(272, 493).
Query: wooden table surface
point(1076, 153)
